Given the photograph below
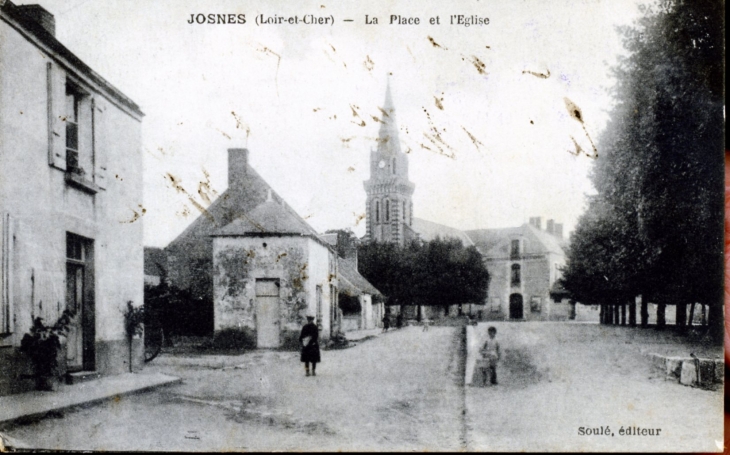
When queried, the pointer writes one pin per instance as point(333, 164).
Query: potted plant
point(44, 344)
point(134, 326)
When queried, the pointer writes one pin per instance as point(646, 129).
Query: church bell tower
point(389, 208)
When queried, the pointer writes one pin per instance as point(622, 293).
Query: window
point(516, 275)
point(73, 102)
point(377, 211)
point(535, 304)
point(387, 210)
point(515, 249)
point(496, 305)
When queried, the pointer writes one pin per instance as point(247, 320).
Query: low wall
point(690, 371)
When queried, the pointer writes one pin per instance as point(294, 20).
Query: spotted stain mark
point(488, 47)
point(184, 213)
point(137, 215)
point(368, 63)
point(436, 140)
point(478, 64)
point(346, 140)
point(298, 282)
point(382, 111)
point(316, 109)
point(577, 115)
point(376, 119)
point(435, 44)
point(177, 184)
point(223, 133)
point(350, 169)
point(473, 138)
point(531, 122)
point(268, 51)
point(116, 176)
point(117, 398)
point(281, 255)
point(358, 217)
point(240, 124)
point(439, 102)
point(356, 115)
point(204, 189)
point(544, 75)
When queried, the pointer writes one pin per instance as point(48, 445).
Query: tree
point(659, 175)
point(439, 272)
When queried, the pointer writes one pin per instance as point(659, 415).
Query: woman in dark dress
point(309, 339)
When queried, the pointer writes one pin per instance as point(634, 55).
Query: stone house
point(370, 300)
point(71, 185)
point(270, 270)
point(189, 257)
point(523, 263)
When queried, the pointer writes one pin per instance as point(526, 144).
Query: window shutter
point(6, 281)
point(98, 122)
point(56, 96)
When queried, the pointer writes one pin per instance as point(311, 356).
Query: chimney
point(550, 226)
point(558, 231)
point(40, 16)
point(237, 167)
point(538, 222)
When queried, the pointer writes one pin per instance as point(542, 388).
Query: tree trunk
point(661, 320)
point(703, 321)
point(632, 313)
point(681, 315)
point(691, 314)
point(715, 320)
point(602, 314)
point(616, 314)
point(623, 314)
point(644, 313)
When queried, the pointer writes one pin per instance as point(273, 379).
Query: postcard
point(479, 225)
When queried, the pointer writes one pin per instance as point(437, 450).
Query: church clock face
point(381, 165)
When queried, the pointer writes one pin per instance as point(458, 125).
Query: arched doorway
point(515, 306)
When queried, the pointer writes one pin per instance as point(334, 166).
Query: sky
point(481, 109)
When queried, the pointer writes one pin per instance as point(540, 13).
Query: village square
point(252, 330)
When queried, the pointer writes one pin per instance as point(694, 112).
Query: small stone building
point(271, 269)
point(70, 194)
point(355, 286)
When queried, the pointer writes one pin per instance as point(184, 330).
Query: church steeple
point(389, 209)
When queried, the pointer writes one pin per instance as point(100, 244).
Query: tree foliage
point(655, 226)
point(439, 272)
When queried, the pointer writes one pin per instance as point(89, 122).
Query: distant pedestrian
point(309, 340)
point(386, 323)
point(425, 325)
point(399, 321)
point(491, 354)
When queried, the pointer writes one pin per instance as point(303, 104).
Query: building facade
point(70, 183)
point(523, 263)
point(271, 271)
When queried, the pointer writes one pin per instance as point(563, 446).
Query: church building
point(389, 213)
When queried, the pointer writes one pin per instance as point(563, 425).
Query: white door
point(267, 313)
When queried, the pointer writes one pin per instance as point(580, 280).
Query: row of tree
point(438, 272)
point(655, 228)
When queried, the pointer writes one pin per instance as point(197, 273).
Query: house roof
point(428, 230)
point(32, 27)
point(154, 261)
point(268, 218)
point(496, 242)
point(351, 282)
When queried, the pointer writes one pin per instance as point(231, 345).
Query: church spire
point(388, 141)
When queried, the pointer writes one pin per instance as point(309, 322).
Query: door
point(80, 346)
point(267, 313)
point(75, 302)
point(515, 306)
